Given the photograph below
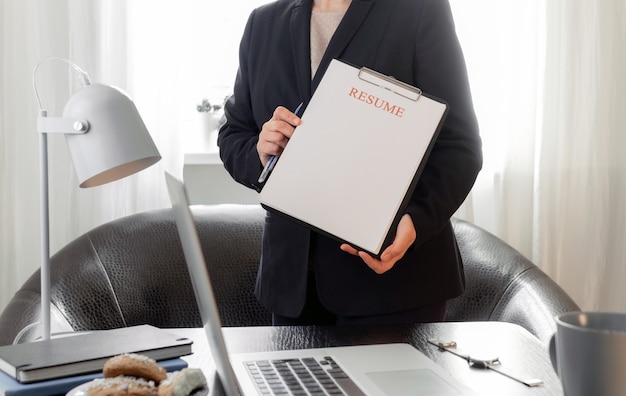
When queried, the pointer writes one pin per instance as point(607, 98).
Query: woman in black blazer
point(305, 277)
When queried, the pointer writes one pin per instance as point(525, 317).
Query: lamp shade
point(116, 144)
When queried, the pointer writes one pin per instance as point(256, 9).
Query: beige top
point(323, 26)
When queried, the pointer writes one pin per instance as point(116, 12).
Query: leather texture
point(503, 285)
point(132, 271)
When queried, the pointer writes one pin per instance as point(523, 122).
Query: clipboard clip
point(389, 83)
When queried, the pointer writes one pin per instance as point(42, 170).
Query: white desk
point(207, 181)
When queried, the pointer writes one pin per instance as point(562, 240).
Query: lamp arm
point(82, 75)
point(60, 124)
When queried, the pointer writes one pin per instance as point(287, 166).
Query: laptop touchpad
point(412, 382)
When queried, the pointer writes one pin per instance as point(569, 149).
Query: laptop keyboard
point(304, 376)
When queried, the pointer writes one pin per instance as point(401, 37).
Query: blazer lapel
point(300, 26)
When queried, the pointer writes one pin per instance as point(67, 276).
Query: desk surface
point(519, 351)
point(208, 182)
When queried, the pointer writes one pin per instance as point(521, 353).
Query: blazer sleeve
point(239, 134)
point(456, 157)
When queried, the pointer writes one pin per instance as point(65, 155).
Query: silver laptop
point(386, 369)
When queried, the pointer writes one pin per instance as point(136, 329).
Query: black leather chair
point(503, 285)
point(132, 271)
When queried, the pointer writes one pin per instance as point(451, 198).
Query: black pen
point(272, 161)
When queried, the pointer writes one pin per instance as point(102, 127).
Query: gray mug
point(588, 353)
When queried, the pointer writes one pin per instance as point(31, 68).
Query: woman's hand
point(405, 237)
point(276, 133)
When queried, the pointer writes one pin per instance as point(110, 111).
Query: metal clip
point(398, 87)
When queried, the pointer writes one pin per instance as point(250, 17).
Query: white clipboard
point(351, 166)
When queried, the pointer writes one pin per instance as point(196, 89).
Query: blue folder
point(60, 386)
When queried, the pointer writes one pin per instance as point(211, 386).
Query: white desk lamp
point(107, 140)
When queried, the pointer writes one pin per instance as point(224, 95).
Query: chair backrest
point(503, 285)
point(132, 271)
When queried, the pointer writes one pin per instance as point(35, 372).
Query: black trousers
point(314, 313)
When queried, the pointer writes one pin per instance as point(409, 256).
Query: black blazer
point(412, 40)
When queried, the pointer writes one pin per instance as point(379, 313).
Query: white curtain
point(547, 79)
point(93, 35)
point(168, 56)
point(580, 189)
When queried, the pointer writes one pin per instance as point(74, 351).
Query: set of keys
point(489, 363)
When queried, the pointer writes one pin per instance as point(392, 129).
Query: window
point(182, 52)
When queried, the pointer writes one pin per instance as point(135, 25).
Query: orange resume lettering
point(375, 101)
